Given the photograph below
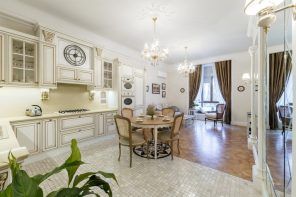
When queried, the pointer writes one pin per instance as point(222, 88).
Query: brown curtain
point(279, 72)
point(223, 70)
point(194, 84)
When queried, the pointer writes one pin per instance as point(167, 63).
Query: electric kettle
point(34, 110)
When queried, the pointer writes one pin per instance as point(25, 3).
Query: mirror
point(279, 104)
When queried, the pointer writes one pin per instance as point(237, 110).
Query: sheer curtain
point(209, 71)
point(217, 96)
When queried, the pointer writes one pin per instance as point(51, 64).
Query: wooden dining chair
point(127, 137)
point(173, 135)
point(218, 115)
point(127, 112)
point(168, 112)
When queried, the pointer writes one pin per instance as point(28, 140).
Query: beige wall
point(240, 100)
point(14, 101)
point(151, 77)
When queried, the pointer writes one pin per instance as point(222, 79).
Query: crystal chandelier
point(154, 53)
point(186, 67)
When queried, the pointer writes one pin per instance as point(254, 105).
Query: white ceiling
point(208, 28)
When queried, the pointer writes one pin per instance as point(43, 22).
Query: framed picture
point(155, 88)
point(163, 86)
point(163, 94)
point(147, 88)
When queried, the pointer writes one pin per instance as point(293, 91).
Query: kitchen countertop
point(54, 115)
point(10, 143)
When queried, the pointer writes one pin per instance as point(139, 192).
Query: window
point(209, 94)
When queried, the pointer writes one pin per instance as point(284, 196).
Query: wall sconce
point(44, 94)
point(91, 95)
point(246, 78)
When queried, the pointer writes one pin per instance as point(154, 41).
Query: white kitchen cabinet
point(77, 121)
point(110, 126)
point(74, 76)
point(27, 135)
point(139, 90)
point(22, 61)
point(50, 133)
point(2, 70)
point(107, 74)
point(100, 124)
point(48, 65)
point(79, 134)
point(98, 81)
point(66, 74)
point(84, 76)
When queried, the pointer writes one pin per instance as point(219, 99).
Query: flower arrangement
point(151, 111)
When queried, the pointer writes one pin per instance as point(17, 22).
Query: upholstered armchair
point(127, 137)
point(285, 115)
point(173, 135)
point(216, 116)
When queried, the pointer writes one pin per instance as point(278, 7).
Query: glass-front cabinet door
point(23, 61)
point(108, 75)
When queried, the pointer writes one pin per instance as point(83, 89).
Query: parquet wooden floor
point(220, 148)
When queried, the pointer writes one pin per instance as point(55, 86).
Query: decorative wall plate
point(241, 88)
point(182, 90)
point(74, 55)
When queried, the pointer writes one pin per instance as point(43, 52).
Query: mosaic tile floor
point(151, 178)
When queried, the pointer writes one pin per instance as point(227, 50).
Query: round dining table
point(154, 124)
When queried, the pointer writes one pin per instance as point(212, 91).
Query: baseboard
point(236, 123)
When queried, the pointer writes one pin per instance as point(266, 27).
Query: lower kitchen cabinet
point(50, 134)
point(100, 124)
point(111, 128)
point(27, 135)
point(78, 134)
point(110, 123)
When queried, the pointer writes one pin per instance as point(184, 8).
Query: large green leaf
point(24, 186)
point(75, 156)
point(66, 192)
point(108, 175)
point(81, 177)
point(40, 178)
point(7, 192)
point(13, 165)
point(96, 181)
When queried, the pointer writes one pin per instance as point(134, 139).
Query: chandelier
point(186, 67)
point(153, 52)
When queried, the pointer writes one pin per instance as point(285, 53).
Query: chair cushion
point(137, 139)
point(211, 115)
point(166, 136)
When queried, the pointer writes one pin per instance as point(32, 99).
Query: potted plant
point(78, 185)
point(151, 111)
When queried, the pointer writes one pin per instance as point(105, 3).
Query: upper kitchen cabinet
point(47, 59)
point(98, 69)
point(74, 62)
point(107, 74)
point(2, 71)
point(22, 61)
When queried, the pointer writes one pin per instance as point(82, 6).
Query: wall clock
point(74, 55)
point(241, 88)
